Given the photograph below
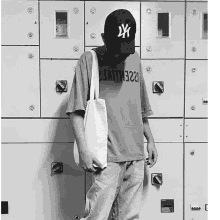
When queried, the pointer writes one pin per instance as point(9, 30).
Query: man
point(120, 185)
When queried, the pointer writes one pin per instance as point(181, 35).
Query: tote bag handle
point(94, 88)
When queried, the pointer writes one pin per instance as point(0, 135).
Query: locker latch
point(204, 101)
point(195, 207)
point(158, 87)
point(61, 85)
point(57, 167)
point(156, 179)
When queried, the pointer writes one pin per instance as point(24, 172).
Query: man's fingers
point(92, 169)
point(97, 163)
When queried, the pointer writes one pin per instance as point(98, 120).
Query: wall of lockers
point(41, 43)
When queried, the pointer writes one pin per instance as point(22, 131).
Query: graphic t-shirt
point(123, 87)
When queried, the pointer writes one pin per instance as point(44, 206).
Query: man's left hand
point(152, 153)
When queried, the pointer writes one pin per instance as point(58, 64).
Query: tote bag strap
point(94, 87)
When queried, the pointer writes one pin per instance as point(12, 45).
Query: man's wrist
point(150, 141)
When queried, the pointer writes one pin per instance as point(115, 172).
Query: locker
point(97, 12)
point(137, 49)
point(56, 83)
point(36, 193)
point(170, 165)
point(20, 81)
point(196, 130)
point(61, 29)
point(165, 86)
point(161, 0)
point(20, 22)
point(197, 30)
point(162, 30)
point(196, 103)
point(197, 0)
point(38, 130)
point(166, 130)
point(196, 181)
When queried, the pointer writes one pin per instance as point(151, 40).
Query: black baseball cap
point(119, 31)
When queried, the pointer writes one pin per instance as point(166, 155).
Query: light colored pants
point(120, 187)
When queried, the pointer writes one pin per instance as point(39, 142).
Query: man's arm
point(77, 120)
point(147, 131)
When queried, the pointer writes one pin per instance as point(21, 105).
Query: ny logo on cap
point(125, 30)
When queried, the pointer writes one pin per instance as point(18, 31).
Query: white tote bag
point(95, 121)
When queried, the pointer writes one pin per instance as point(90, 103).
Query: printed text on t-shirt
point(119, 75)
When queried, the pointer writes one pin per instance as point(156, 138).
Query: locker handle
point(158, 87)
point(61, 86)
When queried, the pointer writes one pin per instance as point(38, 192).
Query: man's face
point(113, 50)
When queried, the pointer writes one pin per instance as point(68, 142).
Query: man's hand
point(87, 161)
point(152, 153)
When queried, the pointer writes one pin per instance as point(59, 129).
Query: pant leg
point(101, 195)
point(127, 203)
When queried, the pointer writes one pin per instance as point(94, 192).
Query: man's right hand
point(87, 161)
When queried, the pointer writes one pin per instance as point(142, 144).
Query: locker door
point(163, 185)
point(165, 86)
point(56, 83)
point(166, 130)
point(20, 22)
point(162, 30)
point(20, 81)
point(197, 0)
point(196, 181)
point(196, 30)
point(196, 130)
point(33, 191)
point(61, 29)
point(196, 88)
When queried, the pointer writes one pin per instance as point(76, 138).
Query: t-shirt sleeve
point(79, 90)
point(145, 104)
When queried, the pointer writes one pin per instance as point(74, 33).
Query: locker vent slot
point(61, 25)
point(4, 207)
point(163, 25)
point(205, 25)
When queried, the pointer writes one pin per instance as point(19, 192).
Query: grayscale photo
point(104, 110)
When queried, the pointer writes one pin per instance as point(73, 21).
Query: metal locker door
point(56, 83)
point(196, 181)
point(37, 130)
point(196, 130)
point(162, 33)
point(196, 88)
point(197, 0)
point(163, 185)
point(20, 22)
point(166, 130)
point(197, 30)
point(165, 85)
point(97, 12)
point(61, 29)
point(33, 190)
point(164, 0)
point(20, 81)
